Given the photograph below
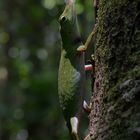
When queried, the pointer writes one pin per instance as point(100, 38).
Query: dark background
point(29, 59)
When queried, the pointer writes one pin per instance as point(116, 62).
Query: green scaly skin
point(71, 77)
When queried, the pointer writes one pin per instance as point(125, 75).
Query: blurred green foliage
point(29, 59)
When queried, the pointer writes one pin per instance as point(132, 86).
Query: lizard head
point(68, 16)
point(69, 27)
point(68, 22)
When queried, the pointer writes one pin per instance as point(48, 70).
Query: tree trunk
point(115, 113)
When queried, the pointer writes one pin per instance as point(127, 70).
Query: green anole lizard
point(71, 77)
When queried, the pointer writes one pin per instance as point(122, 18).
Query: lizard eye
point(63, 18)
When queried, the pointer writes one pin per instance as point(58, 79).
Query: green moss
point(118, 56)
point(112, 94)
point(134, 73)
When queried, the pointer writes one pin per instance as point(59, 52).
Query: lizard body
point(71, 77)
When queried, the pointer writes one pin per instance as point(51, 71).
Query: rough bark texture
point(115, 111)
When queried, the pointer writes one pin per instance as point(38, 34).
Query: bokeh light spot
point(4, 37)
point(22, 135)
point(79, 8)
point(18, 114)
point(13, 52)
point(3, 73)
point(24, 53)
point(48, 4)
point(42, 54)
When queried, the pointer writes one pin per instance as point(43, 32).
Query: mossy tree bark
point(115, 113)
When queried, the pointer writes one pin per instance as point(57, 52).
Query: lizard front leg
point(90, 38)
point(86, 107)
point(89, 41)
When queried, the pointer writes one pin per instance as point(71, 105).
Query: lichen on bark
point(115, 113)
